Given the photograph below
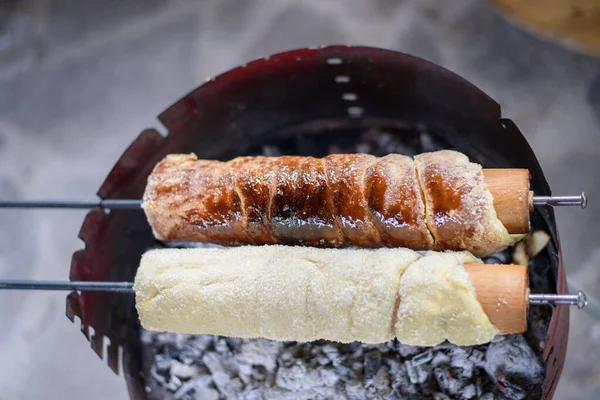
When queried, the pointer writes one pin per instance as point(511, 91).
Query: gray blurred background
point(79, 80)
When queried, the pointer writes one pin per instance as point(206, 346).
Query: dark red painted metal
point(286, 94)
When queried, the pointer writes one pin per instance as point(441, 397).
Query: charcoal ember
point(462, 366)
point(382, 347)
point(286, 359)
point(446, 382)
point(213, 362)
point(537, 326)
point(511, 391)
point(344, 373)
point(225, 385)
point(236, 384)
point(423, 373)
point(394, 366)
point(183, 371)
point(207, 394)
point(440, 396)
point(162, 364)
point(393, 395)
point(261, 352)
point(201, 342)
point(190, 355)
point(158, 377)
point(322, 360)
point(174, 340)
point(328, 377)
point(258, 374)
point(355, 391)
point(513, 365)
point(163, 338)
point(380, 384)
point(440, 358)
point(173, 384)
point(406, 351)
point(468, 392)
point(487, 396)
point(252, 393)
point(357, 349)
point(332, 353)
point(401, 380)
point(192, 387)
point(422, 358)
point(222, 347)
point(302, 395)
point(479, 386)
point(298, 378)
point(412, 373)
point(172, 351)
point(477, 357)
point(234, 343)
point(372, 363)
point(393, 345)
point(457, 352)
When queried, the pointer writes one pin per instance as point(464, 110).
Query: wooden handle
point(503, 293)
point(510, 189)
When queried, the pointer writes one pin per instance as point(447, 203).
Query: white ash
point(247, 369)
point(190, 367)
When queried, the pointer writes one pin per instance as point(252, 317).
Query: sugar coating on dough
point(273, 292)
point(438, 303)
point(459, 208)
point(396, 203)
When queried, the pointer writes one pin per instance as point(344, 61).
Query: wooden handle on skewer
point(502, 291)
point(512, 198)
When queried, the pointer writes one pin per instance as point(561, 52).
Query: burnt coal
point(507, 369)
point(190, 367)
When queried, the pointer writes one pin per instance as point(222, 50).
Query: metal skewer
point(580, 200)
point(578, 299)
point(124, 287)
point(119, 204)
point(112, 204)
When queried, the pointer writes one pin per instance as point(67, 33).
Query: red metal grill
point(287, 94)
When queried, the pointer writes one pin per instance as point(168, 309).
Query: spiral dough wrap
point(438, 201)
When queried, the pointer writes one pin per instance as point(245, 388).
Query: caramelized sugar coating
point(439, 201)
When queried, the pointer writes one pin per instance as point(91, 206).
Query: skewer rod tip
point(580, 200)
point(579, 299)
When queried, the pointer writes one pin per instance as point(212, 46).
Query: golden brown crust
point(396, 203)
point(194, 200)
point(340, 200)
point(300, 207)
point(440, 201)
point(345, 175)
point(254, 178)
point(459, 208)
